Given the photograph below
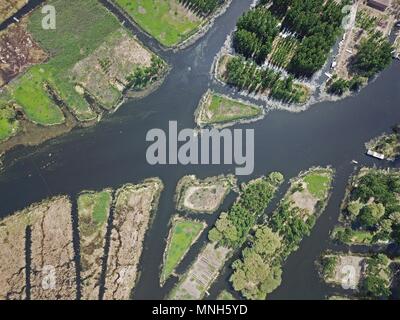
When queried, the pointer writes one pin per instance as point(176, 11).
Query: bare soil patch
point(17, 52)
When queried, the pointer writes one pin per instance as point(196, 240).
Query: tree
point(371, 214)
point(374, 55)
point(338, 87)
point(256, 30)
point(276, 178)
point(377, 280)
point(279, 7)
point(246, 43)
point(384, 230)
point(356, 83)
point(266, 242)
point(354, 208)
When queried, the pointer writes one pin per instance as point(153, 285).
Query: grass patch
point(349, 236)
point(318, 183)
point(8, 124)
point(166, 20)
point(182, 235)
point(81, 28)
point(95, 206)
point(222, 109)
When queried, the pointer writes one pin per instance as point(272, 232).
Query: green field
point(318, 183)
point(182, 235)
point(226, 110)
point(81, 27)
point(8, 125)
point(166, 20)
point(94, 208)
point(354, 236)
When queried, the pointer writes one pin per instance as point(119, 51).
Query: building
point(381, 5)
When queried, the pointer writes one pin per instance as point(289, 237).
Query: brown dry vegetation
point(132, 216)
point(201, 274)
point(17, 52)
point(104, 73)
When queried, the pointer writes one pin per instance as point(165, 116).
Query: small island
point(387, 145)
point(370, 209)
point(134, 207)
point(183, 234)
point(229, 234)
point(258, 272)
point(45, 231)
point(225, 296)
point(218, 110)
point(93, 211)
point(203, 196)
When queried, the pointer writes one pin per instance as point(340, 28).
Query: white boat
point(376, 154)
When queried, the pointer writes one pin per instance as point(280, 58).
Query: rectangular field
point(168, 21)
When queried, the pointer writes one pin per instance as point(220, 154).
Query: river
point(113, 153)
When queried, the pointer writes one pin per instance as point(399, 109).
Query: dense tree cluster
point(320, 25)
point(232, 228)
point(376, 283)
point(247, 75)
point(374, 207)
point(142, 77)
point(259, 271)
point(290, 224)
point(340, 86)
point(279, 7)
point(374, 55)
point(328, 265)
point(205, 7)
point(256, 30)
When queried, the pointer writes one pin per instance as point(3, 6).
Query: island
point(221, 111)
point(258, 272)
point(42, 259)
point(44, 230)
point(284, 52)
point(386, 146)
point(203, 196)
point(134, 208)
point(183, 234)
point(365, 49)
point(93, 212)
point(369, 212)
point(228, 235)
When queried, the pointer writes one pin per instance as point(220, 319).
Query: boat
point(374, 154)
